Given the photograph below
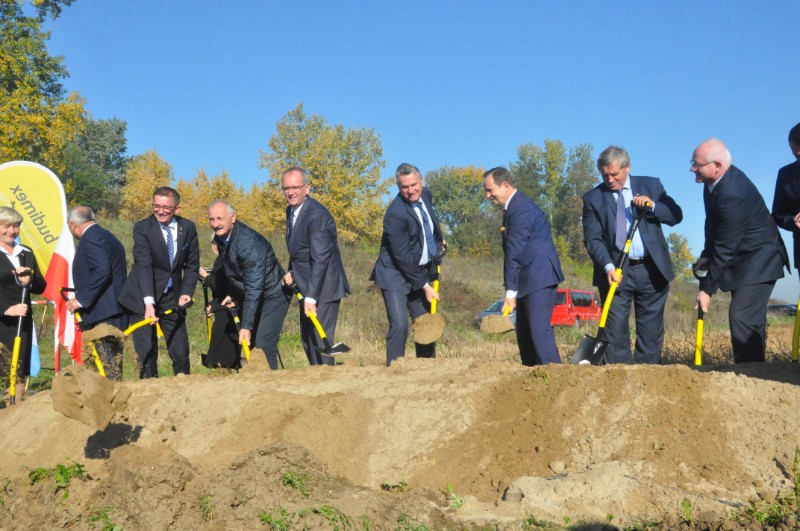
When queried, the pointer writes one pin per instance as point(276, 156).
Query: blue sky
point(447, 82)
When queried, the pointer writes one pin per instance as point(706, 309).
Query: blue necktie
point(171, 253)
point(426, 227)
point(621, 222)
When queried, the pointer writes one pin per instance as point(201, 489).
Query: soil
point(438, 444)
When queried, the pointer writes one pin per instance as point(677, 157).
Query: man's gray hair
point(406, 169)
point(304, 172)
point(228, 206)
point(80, 214)
point(613, 154)
point(718, 151)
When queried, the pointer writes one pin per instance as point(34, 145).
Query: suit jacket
point(530, 262)
point(151, 269)
point(397, 267)
point(314, 257)
point(99, 272)
point(786, 203)
point(599, 226)
point(742, 240)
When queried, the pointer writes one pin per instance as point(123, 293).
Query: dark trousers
point(398, 307)
point(327, 315)
point(535, 337)
point(268, 324)
point(644, 287)
point(110, 350)
point(748, 321)
point(145, 342)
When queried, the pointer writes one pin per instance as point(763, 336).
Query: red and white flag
point(59, 275)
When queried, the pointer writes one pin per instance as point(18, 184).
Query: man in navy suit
point(607, 218)
point(743, 251)
point(315, 263)
point(531, 268)
point(99, 271)
point(166, 259)
point(406, 263)
point(786, 202)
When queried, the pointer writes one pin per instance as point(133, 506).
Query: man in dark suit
point(99, 271)
point(743, 251)
point(254, 278)
point(406, 262)
point(786, 202)
point(607, 218)
point(166, 259)
point(531, 268)
point(315, 263)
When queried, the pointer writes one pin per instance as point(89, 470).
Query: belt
point(638, 261)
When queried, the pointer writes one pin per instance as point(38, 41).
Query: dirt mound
point(424, 442)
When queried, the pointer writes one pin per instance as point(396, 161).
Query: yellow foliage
point(144, 174)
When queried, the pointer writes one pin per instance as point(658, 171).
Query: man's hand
point(228, 302)
point(244, 336)
point(642, 202)
point(73, 305)
point(17, 310)
point(288, 279)
point(511, 304)
point(150, 311)
point(612, 277)
point(703, 301)
point(430, 294)
point(184, 300)
point(310, 307)
point(797, 220)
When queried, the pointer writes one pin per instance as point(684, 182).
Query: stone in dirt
point(84, 395)
point(428, 328)
point(496, 324)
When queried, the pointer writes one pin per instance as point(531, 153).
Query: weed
point(540, 375)
point(38, 474)
point(4, 490)
point(103, 516)
point(406, 523)
point(453, 498)
point(531, 522)
point(61, 474)
point(686, 509)
point(334, 516)
point(295, 480)
point(206, 504)
point(399, 487)
point(279, 522)
point(609, 517)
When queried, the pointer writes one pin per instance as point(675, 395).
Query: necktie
point(621, 222)
point(170, 253)
point(426, 228)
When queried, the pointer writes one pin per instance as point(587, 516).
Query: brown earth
point(351, 447)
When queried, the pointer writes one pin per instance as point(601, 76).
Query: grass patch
point(61, 474)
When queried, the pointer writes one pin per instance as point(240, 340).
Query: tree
point(84, 182)
point(144, 174)
point(681, 256)
point(36, 121)
point(345, 166)
point(202, 190)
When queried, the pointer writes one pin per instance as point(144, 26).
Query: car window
point(496, 307)
point(581, 299)
point(561, 297)
point(597, 300)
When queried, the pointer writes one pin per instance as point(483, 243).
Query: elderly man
point(743, 251)
point(406, 262)
point(531, 269)
point(607, 218)
point(315, 263)
point(99, 271)
point(786, 202)
point(254, 279)
point(166, 257)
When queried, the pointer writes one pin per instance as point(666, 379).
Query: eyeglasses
point(293, 188)
point(697, 166)
point(164, 208)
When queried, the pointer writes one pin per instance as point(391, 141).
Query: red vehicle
point(575, 307)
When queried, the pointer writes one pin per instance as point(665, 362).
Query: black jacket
point(253, 271)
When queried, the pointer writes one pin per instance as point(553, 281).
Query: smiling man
point(406, 265)
point(254, 279)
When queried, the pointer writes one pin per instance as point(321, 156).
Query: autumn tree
point(681, 256)
point(36, 120)
point(144, 173)
point(197, 194)
point(345, 165)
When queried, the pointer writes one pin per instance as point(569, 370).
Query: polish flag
point(59, 275)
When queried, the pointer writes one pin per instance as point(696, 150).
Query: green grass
point(61, 474)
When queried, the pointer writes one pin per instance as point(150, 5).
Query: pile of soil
point(434, 443)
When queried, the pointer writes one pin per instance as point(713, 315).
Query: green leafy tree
point(345, 165)
point(36, 120)
point(681, 256)
point(84, 182)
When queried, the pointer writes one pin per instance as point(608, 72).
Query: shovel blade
point(591, 350)
point(338, 348)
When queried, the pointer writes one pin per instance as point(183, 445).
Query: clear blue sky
point(447, 82)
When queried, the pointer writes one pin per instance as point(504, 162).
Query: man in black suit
point(531, 268)
point(743, 251)
point(406, 263)
point(99, 271)
point(607, 218)
point(315, 263)
point(254, 278)
point(166, 259)
point(786, 202)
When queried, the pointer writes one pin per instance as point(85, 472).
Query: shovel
point(95, 356)
point(796, 334)
point(698, 341)
point(144, 322)
point(12, 375)
point(592, 350)
point(497, 324)
point(328, 350)
point(429, 327)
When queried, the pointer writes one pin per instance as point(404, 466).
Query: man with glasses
point(743, 251)
point(315, 263)
point(608, 212)
point(166, 259)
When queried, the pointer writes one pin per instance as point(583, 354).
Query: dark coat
point(599, 226)
point(99, 271)
point(742, 240)
point(786, 203)
point(397, 267)
point(314, 257)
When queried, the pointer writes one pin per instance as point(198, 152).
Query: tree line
point(41, 123)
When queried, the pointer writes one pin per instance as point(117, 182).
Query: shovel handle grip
point(246, 349)
point(506, 311)
point(136, 326)
point(607, 306)
point(698, 342)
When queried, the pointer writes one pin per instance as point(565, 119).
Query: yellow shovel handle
point(159, 332)
point(12, 375)
point(611, 290)
point(698, 344)
point(318, 326)
point(506, 311)
point(796, 335)
point(97, 362)
point(434, 301)
point(132, 328)
point(246, 349)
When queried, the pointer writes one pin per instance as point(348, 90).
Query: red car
point(575, 307)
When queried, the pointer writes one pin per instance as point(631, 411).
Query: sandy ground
point(375, 448)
